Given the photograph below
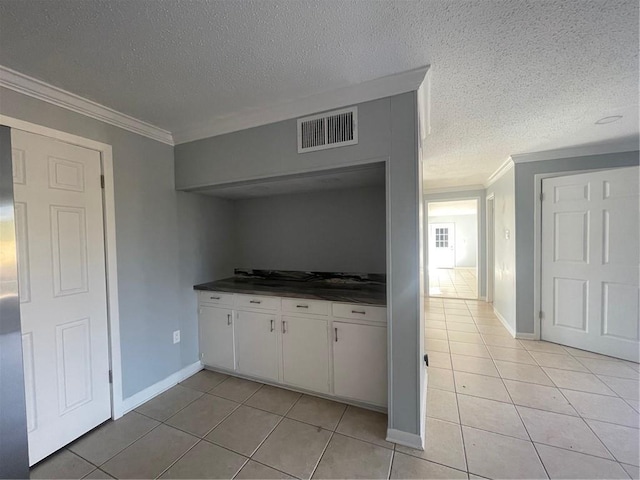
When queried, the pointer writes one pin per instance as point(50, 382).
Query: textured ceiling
point(508, 76)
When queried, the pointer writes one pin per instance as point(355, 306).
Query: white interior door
point(590, 261)
point(61, 271)
point(442, 250)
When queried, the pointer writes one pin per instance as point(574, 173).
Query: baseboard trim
point(526, 336)
point(410, 440)
point(505, 324)
point(156, 389)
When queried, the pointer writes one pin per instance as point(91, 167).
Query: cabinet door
point(360, 362)
point(257, 344)
point(216, 337)
point(305, 352)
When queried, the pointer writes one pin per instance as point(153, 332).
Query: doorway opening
point(452, 228)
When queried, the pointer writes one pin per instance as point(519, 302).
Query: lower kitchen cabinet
point(216, 337)
point(257, 344)
point(360, 362)
point(305, 352)
point(332, 348)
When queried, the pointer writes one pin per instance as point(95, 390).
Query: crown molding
point(35, 88)
point(502, 169)
point(461, 189)
point(626, 145)
point(362, 92)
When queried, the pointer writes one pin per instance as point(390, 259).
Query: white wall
point(466, 238)
point(327, 231)
point(504, 297)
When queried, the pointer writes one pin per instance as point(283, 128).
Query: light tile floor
point(453, 283)
point(524, 409)
point(496, 408)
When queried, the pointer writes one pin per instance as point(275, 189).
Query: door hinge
point(101, 181)
point(541, 196)
point(110, 376)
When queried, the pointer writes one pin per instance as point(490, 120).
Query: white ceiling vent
point(328, 130)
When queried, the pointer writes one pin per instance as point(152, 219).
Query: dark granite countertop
point(335, 287)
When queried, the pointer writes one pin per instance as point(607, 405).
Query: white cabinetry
point(216, 336)
point(305, 353)
point(293, 342)
point(360, 362)
point(257, 344)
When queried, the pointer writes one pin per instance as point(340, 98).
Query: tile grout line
point(327, 444)
point(393, 457)
point(455, 392)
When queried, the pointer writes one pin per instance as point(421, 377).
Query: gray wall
point(504, 296)
point(482, 237)
point(466, 238)
point(388, 129)
point(525, 180)
point(152, 280)
point(207, 252)
point(338, 230)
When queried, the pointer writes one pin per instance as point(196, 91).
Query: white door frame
point(537, 235)
point(109, 219)
point(490, 246)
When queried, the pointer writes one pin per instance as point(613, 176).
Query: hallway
point(507, 408)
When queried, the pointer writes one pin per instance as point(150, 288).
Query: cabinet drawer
point(258, 301)
point(360, 312)
point(301, 305)
point(215, 298)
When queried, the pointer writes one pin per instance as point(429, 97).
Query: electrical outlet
point(176, 336)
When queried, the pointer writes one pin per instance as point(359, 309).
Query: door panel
point(360, 362)
point(257, 344)
point(590, 262)
point(305, 353)
point(62, 284)
point(216, 337)
point(618, 313)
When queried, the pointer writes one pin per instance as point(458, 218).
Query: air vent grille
point(328, 130)
point(313, 133)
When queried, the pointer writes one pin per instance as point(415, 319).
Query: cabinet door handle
point(272, 325)
point(255, 301)
point(284, 326)
point(358, 311)
point(228, 319)
point(336, 330)
point(302, 306)
point(214, 298)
